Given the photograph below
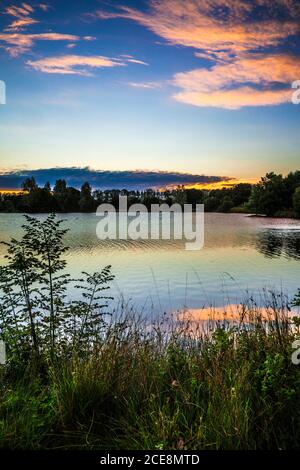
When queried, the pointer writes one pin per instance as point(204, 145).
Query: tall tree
point(86, 201)
point(29, 184)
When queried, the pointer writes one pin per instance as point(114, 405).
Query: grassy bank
point(232, 388)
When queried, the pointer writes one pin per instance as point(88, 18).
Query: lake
point(242, 256)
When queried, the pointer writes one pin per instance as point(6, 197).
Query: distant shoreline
point(250, 215)
point(274, 196)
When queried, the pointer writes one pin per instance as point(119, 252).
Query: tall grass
point(229, 386)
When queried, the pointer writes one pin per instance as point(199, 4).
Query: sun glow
point(216, 185)
point(11, 191)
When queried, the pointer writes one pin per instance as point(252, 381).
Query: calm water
point(241, 255)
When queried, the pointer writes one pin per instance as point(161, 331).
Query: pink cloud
point(194, 23)
point(226, 33)
point(234, 99)
point(19, 43)
point(22, 16)
point(220, 86)
point(19, 11)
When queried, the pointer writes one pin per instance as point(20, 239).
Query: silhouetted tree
point(296, 202)
point(86, 201)
point(274, 195)
point(194, 196)
point(29, 184)
point(240, 193)
point(47, 187)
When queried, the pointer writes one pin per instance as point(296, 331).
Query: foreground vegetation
point(229, 390)
point(76, 379)
point(274, 195)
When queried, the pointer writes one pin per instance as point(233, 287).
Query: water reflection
point(241, 255)
point(274, 243)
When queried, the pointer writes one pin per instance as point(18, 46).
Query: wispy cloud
point(133, 60)
point(74, 64)
point(230, 33)
point(217, 24)
point(20, 24)
point(44, 6)
point(136, 61)
point(19, 11)
point(16, 38)
point(22, 15)
point(145, 85)
point(19, 43)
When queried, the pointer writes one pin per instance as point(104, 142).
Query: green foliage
point(226, 205)
point(296, 301)
point(296, 202)
point(86, 201)
point(231, 388)
point(273, 195)
point(211, 203)
point(35, 315)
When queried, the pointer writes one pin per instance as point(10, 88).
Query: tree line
point(274, 195)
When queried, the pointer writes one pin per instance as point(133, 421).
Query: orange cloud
point(19, 43)
point(215, 25)
point(235, 99)
point(22, 14)
point(17, 11)
point(231, 34)
point(220, 86)
point(255, 69)
point(21, 24)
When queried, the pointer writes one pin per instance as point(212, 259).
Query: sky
point(196, 87)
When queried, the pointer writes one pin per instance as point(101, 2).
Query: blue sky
point(161, 85)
